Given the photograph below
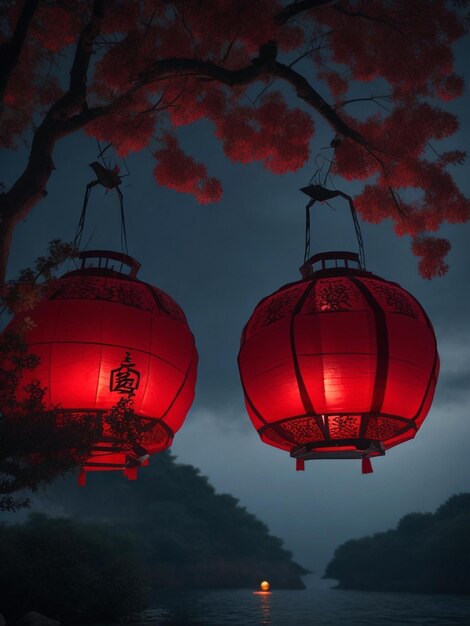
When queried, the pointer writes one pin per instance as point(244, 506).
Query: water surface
point(314, 606)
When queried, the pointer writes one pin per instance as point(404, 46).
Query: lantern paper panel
point(102, 336)
point(340, 364)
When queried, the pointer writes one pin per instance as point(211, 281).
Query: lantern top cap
point(334, 261)
point(102, 260)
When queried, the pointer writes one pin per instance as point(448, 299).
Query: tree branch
point(259, 68)
point(10, 51)
point(381, 20)
point(173, 67)
point(31, 185)
point(307, 93)
point(295, 8)
point(375, 99)
point(71, 113)
point(75, 98)
point(57, 123)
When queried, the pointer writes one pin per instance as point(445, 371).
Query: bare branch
point(295, 8)
point(229, 49)
point(393, 194)
point(263, 91)
point(156, 107)
point(375, 99)
point(373, 18)
point(307, 93)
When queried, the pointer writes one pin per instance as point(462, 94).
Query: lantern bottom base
point(339, 449)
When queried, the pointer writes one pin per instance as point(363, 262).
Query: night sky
point(218, 261)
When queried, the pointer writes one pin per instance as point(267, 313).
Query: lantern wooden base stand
point(339, 449)
point(363, 449)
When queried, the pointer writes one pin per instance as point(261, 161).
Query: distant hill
point(425, 553)
point(185, 533)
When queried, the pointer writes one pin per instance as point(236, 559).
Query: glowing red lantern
point(341, 364)
point(103, 335)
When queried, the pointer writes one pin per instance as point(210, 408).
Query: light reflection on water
point(316, 607)
point(265, 604)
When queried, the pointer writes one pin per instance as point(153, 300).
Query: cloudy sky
point(218, 261)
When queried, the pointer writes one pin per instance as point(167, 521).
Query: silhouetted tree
point(69, 571)
point(426, 553)
point(37, 444)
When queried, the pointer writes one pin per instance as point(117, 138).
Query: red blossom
point(377, 44)
point(432, 252)
point(337, 84)
point(56, 27)
point(120, 13)
point(272, 133)
point(375, 204)
point(179, 171)
point(250, 23)
point(450, 87)
point(127, 133)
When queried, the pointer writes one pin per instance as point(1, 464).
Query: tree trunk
point(26, 192)
point(10, 50)
point(6, 232)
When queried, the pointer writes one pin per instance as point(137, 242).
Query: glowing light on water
point(264, 588)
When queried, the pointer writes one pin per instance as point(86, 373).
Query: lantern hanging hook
point(318, 193)
point(109, 178)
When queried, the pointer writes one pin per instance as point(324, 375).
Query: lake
point(316, 606)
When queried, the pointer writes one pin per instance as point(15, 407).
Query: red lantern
point(341, 364)
point(102, 335)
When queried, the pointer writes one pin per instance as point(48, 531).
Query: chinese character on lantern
point(124, 379)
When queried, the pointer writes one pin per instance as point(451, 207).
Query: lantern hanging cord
point(307, 231)
point(109, 179)
point(318, 193)
point(123, 222)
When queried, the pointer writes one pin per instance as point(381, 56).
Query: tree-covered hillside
point(185, 533)
point(425, 553)
point(72, 572)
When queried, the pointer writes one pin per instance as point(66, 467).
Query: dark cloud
point(454, 388)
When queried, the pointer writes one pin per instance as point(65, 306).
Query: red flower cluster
point(180, 172)
point(148, 71)
point(432, 252)
point(272, 133)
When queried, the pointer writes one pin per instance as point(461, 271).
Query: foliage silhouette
point(68, 571)
point(426, 553)
point(185, 533)
point(38, 443)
